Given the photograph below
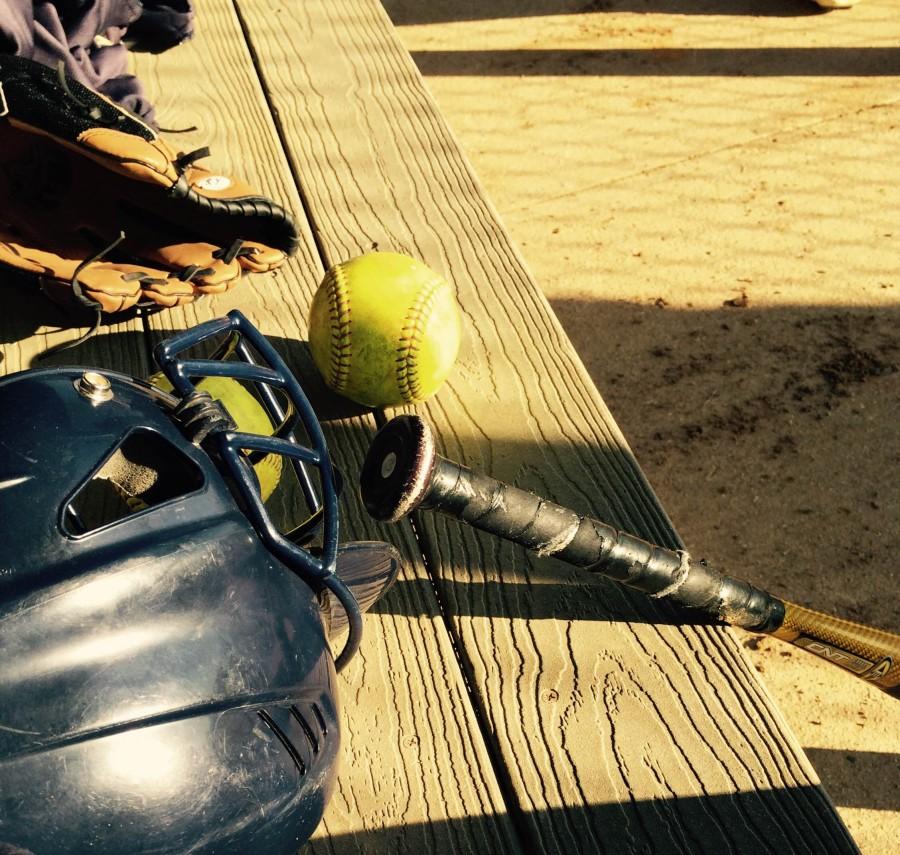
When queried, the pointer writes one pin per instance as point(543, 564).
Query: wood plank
point(36, 325)
point(616, 727)
point(414, 759)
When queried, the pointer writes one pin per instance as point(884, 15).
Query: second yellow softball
point(249, 416)
point(384, 329)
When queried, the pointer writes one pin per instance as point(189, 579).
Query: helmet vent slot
point(320, 719)
point(143, 471)
point(308, 732)
point(285, 740)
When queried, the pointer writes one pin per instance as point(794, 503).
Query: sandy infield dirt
point(708, 194)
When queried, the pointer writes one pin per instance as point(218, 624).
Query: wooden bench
point(499, 703)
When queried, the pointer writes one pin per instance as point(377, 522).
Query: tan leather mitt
point(78, 172)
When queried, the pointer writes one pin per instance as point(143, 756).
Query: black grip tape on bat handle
point(402, 473)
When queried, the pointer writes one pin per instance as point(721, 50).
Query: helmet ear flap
point(368, 568)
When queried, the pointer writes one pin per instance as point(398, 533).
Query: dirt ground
point(706, 190)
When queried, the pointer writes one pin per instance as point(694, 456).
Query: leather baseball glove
point(97, 208)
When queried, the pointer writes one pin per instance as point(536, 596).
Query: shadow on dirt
point(408, 12)
point(663, 61)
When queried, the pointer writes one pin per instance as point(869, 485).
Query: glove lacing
point(93, 305)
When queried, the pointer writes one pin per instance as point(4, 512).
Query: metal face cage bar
point(231, 445)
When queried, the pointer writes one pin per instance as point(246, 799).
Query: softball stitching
point(340, 353)
point(408, 381)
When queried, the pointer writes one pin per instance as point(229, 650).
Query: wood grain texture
point(615, 728)
point(413, 757)
point(34, 324)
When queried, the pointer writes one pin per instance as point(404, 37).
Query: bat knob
point(396, 474)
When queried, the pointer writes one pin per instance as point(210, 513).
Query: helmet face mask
point(165, 652)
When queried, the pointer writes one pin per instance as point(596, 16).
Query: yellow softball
point(384, 329)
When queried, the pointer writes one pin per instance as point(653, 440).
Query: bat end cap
point(396, 473)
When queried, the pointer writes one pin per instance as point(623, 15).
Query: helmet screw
point(93, 385)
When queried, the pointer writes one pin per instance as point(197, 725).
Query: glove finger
point(200, 264)
point(212, 270)
point(259, 258)
point(168, 291)
point(105, 286)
